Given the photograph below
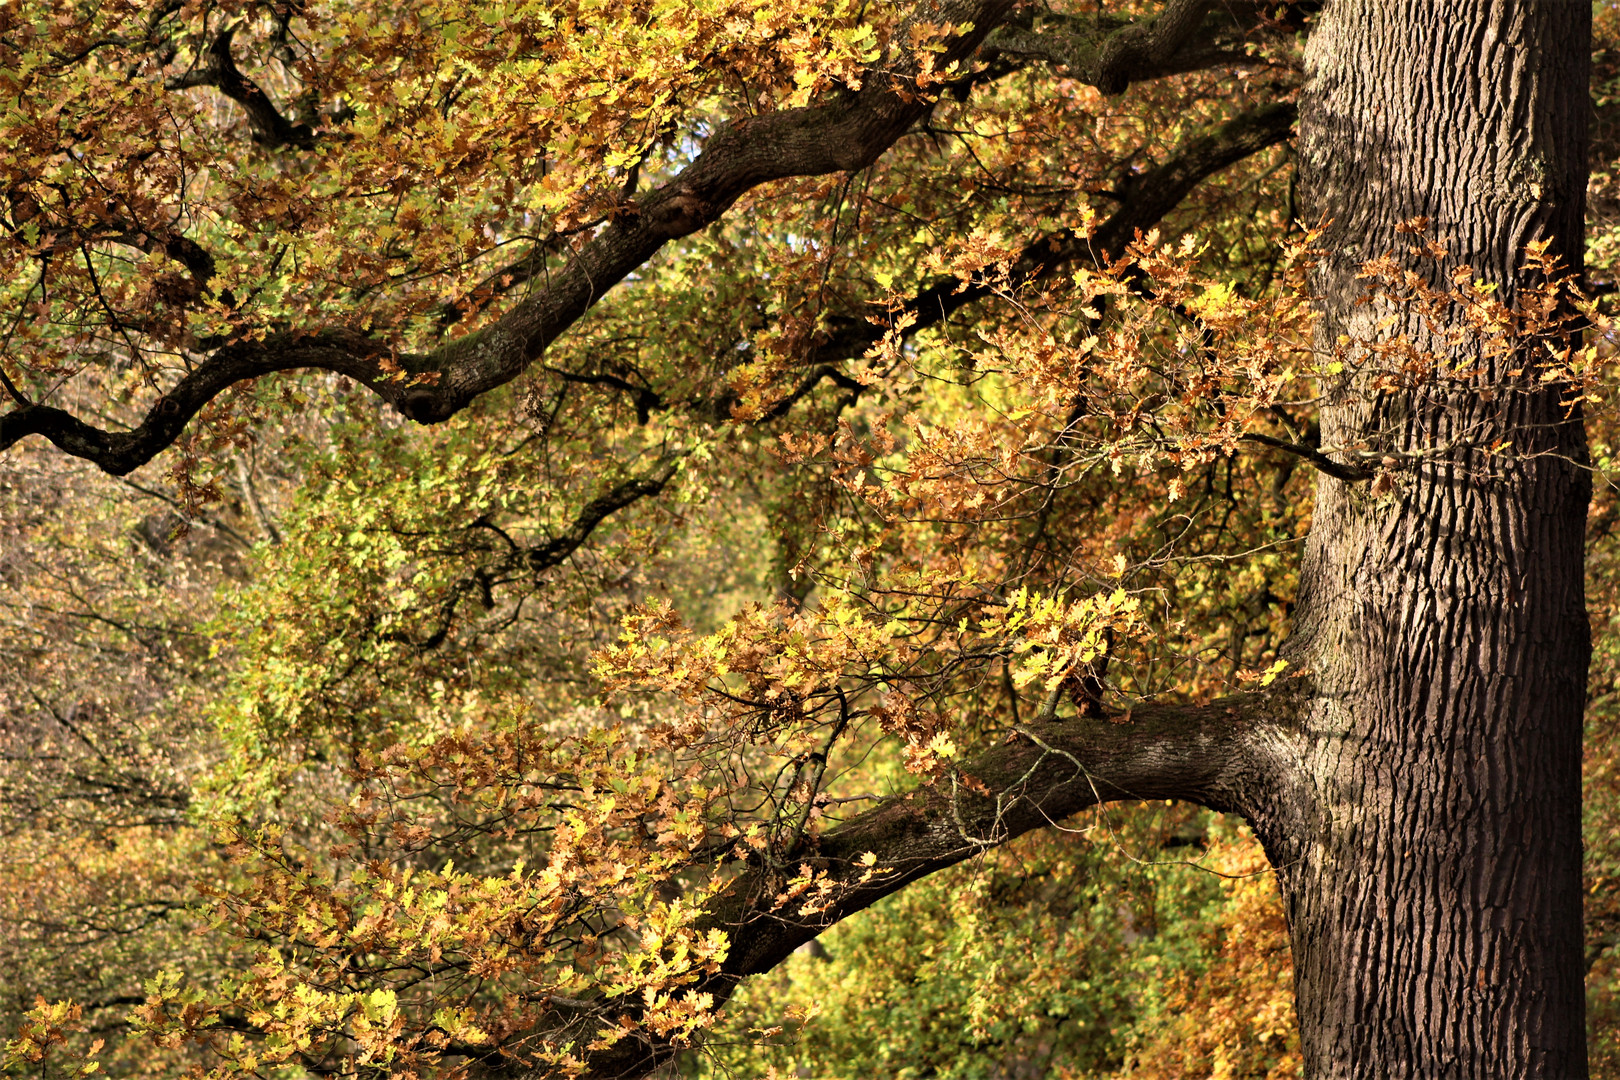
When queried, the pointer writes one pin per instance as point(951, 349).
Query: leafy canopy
point(835, 407)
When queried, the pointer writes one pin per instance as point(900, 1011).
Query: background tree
point(517, 751)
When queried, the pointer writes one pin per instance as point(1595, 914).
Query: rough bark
point(1428, 840)
point(1418, 787)
point(1420, 795)
point(1420, 799)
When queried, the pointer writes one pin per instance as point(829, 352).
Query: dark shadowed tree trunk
point(1427, 831)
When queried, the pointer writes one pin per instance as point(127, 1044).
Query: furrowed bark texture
point(1418, 788)
point(1429, 845)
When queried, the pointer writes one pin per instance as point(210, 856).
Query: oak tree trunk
point(1417, 783)
point(1427, 833)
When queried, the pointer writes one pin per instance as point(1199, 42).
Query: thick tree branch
point(218, 69)
point(845, 132)
point(120, 452)
point(1111, 53)
point(1219, 755)
point(1144, 200)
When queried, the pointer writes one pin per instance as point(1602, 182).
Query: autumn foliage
point(544, 736)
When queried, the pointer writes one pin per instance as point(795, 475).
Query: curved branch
point(1111, 53)
point(219, 70)
point(1144, 200)
point(544, 556)
point(121, 452)
point(844, 132)
point(537, 558)
point(1218, 755)
point(1045, 772)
